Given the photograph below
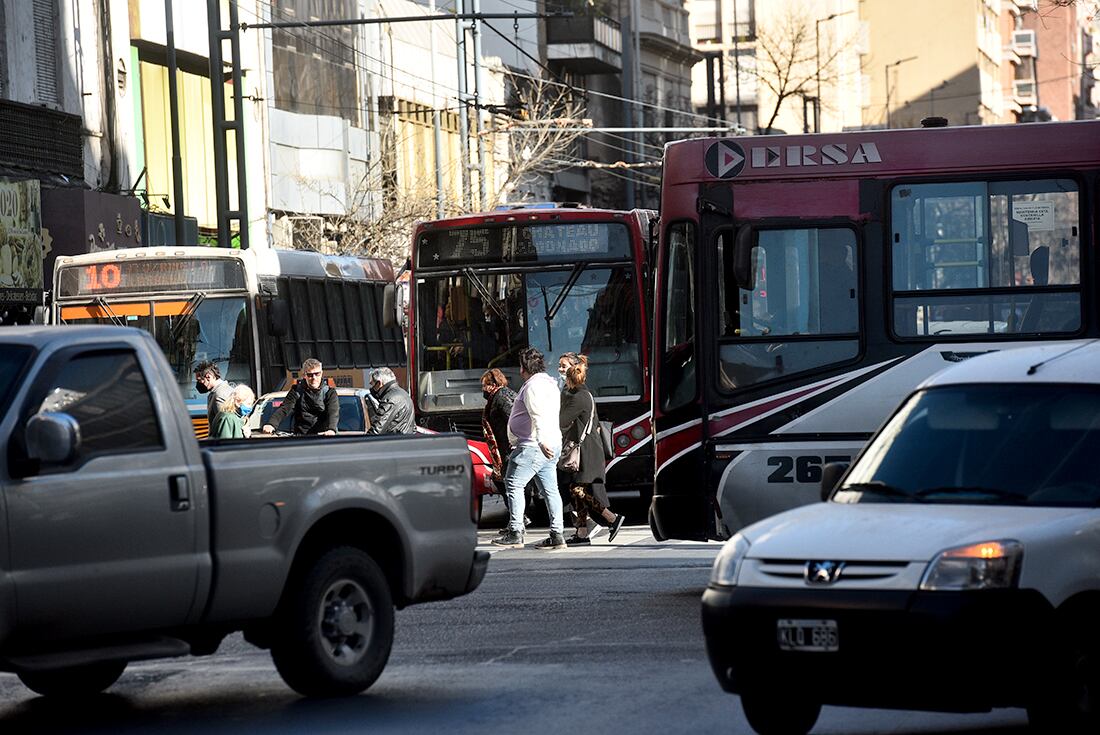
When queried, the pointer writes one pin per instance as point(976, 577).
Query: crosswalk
point(630, 540)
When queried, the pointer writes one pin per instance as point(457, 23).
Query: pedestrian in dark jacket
point(392, 407)
point(499, 399)
point(580, 422)
point(315, 407)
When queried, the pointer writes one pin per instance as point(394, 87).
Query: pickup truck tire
point(333, 636)
point(771, 714)
point(75, 681)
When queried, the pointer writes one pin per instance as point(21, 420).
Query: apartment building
point(1056, 77)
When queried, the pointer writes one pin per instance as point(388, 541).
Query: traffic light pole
point(223, 126)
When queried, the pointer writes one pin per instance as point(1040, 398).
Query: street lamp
point(817, 70)
point(886, 72)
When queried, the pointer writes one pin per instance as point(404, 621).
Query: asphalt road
point(605, 640)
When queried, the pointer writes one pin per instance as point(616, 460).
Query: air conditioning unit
point(298, 232)
point(1024, 44)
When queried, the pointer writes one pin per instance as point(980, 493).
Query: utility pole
point(437, 132)
point(174, 113)
point(737, 60)
point(223, 126)
point(463, 110)
point(628, 106)
point(479, 83)
point(886, 73)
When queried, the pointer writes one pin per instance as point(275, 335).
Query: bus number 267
point(800, 469)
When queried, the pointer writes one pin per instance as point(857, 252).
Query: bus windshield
point(474, 321)
point(188, 332)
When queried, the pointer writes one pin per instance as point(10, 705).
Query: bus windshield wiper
point(560, 300)
point(472, 276)
point(187, 314)
point(880, 487)
point(106, 309)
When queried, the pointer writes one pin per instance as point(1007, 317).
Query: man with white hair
point(392, 407)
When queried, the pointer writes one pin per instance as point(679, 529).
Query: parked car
point(113, 551)
point(355, 418)
point(955, 567)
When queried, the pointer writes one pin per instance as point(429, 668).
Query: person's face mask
point(244, 410)
point(200, 386)
point(486, 394)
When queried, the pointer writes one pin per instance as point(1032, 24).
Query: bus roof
point(267, 261)
point(883, 153)
point(535, 214)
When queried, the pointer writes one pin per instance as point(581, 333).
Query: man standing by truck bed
point(315, 407)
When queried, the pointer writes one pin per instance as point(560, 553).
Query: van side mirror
point(830, 476)
point(391, 312)
point(52, 438)
point(743, 245)
point(278, 317)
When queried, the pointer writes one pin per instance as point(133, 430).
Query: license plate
point(807, 635)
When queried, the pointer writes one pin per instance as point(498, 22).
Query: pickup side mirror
point(830, 476)
point(52, 438)
point(743, 271)
point(391, 312)
point(278, 317)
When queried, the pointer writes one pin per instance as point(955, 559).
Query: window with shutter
point(45, 50)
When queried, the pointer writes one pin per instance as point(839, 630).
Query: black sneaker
point(619, 521)
point(578, 541)
point(510, 540)
point(555, 541)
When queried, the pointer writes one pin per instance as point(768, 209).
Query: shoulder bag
point(570, 459)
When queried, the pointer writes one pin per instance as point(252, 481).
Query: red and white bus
point(807, 283)
point(561, 279)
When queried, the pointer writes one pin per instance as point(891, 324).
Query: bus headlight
point(728, 562)
point(638, 432)
point(982, 566)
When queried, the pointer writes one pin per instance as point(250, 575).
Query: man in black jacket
point(392, 407)
point(315, 407)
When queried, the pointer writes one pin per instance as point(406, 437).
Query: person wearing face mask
point(232, 414)
point(392, 407)
point(314, 405)
point(208, 380)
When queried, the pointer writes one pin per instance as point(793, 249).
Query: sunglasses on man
point(314, 375)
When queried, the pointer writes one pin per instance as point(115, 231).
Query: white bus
point(256, 313)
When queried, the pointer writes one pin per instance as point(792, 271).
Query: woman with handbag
point(582, 460)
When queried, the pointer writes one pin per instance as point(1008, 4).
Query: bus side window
point(678, 379)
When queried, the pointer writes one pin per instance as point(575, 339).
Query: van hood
point(895, 531)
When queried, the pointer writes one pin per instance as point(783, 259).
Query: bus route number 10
point(100, 277)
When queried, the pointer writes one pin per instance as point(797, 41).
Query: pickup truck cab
point(954, 567)
point(127, 540)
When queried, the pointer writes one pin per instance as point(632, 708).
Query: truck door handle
point(180, 491)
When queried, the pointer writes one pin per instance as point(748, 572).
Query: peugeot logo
point(823, 572)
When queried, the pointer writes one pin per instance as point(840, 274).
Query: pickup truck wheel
point(334, 635)
point(770, 715)
point(75, 681)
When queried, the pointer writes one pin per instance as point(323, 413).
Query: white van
point(955, 567)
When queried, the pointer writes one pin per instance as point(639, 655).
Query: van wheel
point(770, 716)
point(1074, 704)
point(73, 681)
point(334, 632)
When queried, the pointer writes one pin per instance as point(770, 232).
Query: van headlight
point(728, 562)
point(982, 566)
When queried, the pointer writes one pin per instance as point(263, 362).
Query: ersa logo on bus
point(726, 159)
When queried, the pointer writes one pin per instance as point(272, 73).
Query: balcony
point(1023, 43)
point(585, 44)
point(1024, 92)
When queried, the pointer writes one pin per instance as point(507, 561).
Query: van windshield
point(996, 444)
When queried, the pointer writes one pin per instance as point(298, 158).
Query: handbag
point(570, 459)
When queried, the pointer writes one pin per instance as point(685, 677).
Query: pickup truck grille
point(201, 426)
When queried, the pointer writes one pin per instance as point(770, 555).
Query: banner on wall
point(20, 242)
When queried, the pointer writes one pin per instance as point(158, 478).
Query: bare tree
point(788, 63)
point(542, 134)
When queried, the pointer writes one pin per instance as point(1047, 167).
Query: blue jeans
point(524, 463)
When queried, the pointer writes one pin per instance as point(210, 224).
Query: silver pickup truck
point(127, 540)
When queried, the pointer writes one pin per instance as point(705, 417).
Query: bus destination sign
point(150, 276)
point(555, 242)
